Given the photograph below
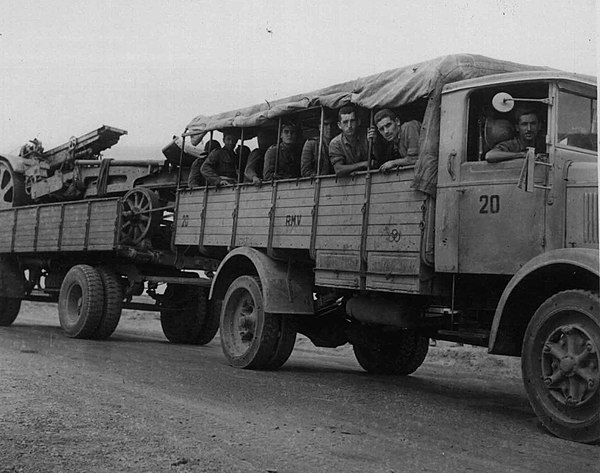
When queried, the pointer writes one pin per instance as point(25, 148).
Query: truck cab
point(486, 223)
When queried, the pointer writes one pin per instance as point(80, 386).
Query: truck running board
point(479, 338)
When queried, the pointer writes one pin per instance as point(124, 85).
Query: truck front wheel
point(560, 365)
point(400, 354)
point(81, 301)
point(250, 337)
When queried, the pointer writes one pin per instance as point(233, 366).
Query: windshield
point(577, 123)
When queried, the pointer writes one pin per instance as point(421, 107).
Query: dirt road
point(137, 403)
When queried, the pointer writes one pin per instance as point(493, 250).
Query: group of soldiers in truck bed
point(395, 144)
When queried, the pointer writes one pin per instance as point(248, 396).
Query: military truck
point(496, 254)
point(502, 255)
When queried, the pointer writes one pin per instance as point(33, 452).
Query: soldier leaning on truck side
point(401, 147)
point(288, 161)
point(253, 171)
point(348, 152)
point(220, 168)
point(528, 126)
point(195, 178)
point(310, 151)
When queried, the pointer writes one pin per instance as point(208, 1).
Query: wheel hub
point(567, 365)
point(570, 365)
point(246, 321)
point(139, 215)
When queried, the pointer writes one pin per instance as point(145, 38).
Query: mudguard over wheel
point(250, 337)
point(560, 364)
point(400, 354)
point(81, 301)
point(188, 316)
point(113, 303)
point(9, 309)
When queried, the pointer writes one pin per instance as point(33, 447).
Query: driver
point(528, 127)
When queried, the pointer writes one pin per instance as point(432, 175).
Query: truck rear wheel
point(560, 365)
point(250, 337)
point(81, 301)
point(113, 303)
point(192, 319)
point(401, 354)
point(9, 309)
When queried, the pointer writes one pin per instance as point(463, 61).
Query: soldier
point(528, 127)
point(195, 178)
point(253, 171)
point(220, 168)
point(310, 151)
point(402, 140)
point(288, 161)
point(348, 152)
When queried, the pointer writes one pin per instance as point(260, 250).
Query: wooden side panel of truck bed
point(89, 225)
point(362, 232)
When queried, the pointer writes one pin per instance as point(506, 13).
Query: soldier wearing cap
point(256, 160)
point(220, 168)
point(288, 160)
point(310, 151)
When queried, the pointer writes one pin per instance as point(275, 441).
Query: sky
point(150, 66)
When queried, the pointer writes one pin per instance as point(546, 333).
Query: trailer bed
point(89, 225)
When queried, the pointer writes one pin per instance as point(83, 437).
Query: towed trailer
point(81, 255)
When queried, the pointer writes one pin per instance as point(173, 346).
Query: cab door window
point(577, 121)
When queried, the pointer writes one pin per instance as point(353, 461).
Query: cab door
point(501, 226)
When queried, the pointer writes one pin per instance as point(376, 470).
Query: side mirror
point(503, 102)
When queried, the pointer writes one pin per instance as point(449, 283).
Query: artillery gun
point(77, 170)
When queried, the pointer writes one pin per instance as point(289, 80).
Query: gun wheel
point(138, 215)
point(12, 187)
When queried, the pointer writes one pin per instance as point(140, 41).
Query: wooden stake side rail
point(88, 225)
point(362, 232)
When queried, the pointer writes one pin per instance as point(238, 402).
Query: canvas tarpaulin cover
point(389, 89)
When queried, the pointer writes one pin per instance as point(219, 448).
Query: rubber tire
point(113, 303)
point(17, 182)
point(196, 323)
point(285, 346)
point(401, 355)
point(81, 301)
point(272, 340)
point(9, 309)
point(580, 309)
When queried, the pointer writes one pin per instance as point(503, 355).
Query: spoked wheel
point(188, 316)
point(139, 215)
point(12, 187)
point(81, 302)
point(400, 353)
point(560, 363)
point(250, 337)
